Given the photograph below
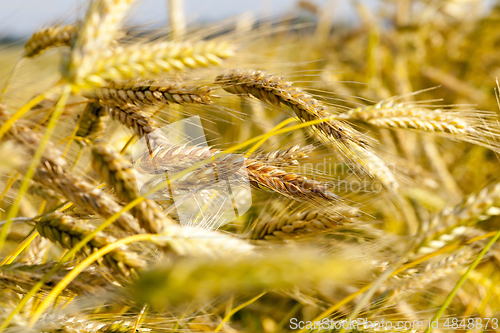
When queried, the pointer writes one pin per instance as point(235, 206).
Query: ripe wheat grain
point(273, 89)
point(49, 37)
point(66, 232)
point(119, 173)
point(303, 222)
point(142, 60)
point(151, 92)
point(52, 174)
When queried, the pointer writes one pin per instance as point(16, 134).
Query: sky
point(19, 18)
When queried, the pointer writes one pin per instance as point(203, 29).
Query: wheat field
point(339, 173)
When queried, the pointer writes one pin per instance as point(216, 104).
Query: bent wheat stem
point(254, 148)
point(236, 309)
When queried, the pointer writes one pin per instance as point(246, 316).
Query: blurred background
point(19, 18)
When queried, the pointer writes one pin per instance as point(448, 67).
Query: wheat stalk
point(22, 277)
point(286, 183)
point(203, 277)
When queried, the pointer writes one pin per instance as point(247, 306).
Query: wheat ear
point(274, 90)
point(303, 222)
point(269, 176)
point(150, 92)
point(119, 173)
point(22, 278)
point(201, 280)
point(49, 37)
point(421, 277)
point(286, 157)
point(286, 183)
point(36, 252)
point(198, 242)
point(65, 231)
point(186, 241)
point(52, 174)
point(84, 323)
point(404, 115)
point(95, 35)
point(142, 60)
point(474, 208)
point(90, 122)
point(83, 194)
point(132, 117)
point(466, 125)
point(44, 193)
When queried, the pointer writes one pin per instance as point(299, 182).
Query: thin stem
point(34, 163)
point(269, 134)
point(10, 77)
point(460, 282)
point(236, 309)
